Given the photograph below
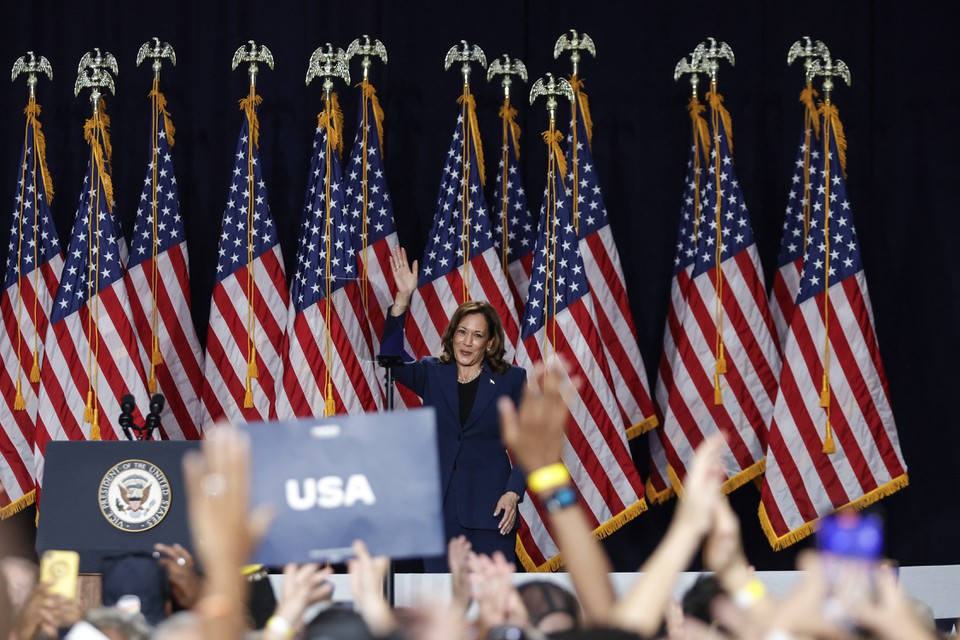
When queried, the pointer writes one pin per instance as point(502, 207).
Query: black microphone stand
point(389, 362)
point(134, 431)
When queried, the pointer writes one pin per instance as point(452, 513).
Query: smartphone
point(59, 570)
point(851, 545)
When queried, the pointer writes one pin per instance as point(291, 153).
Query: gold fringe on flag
point(371, 94)
point(553, 139)
point(577, 85)
point(716, 103)
point(509, 115)
point(779, 543)
point(829, 112)
point(17, 506)
point(810, 109)
point(32, 112)
point(474, 133)
point(162, 108)
point(249, 106)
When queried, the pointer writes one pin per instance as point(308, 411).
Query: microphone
point(157, 401)
point(127, 407)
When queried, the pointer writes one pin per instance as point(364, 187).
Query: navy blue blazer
point(473, 459)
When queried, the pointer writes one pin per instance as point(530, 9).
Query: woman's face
point(471, 339)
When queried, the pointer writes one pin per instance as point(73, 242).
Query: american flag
point(605, 275)
point(91, 353)
point(460, 261)
point(659, 488)
point(370, 217)
point(158, 276)
point(833, 442)
point(34, 263)
point(727, 363)
point(248, 309)
point(559, 322)
point(514, 233)
point(328, 366)
point(786, 281)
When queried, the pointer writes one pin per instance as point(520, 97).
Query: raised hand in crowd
point(499, 604)
point(642, 609)
point(535, 434)
point(405, 276)
point(217, 482)
point(303, 586)
point(45, 613)
point(367, 575)
point(459, 551)
point(185, 581)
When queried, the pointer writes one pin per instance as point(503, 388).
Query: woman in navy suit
point(480, 487)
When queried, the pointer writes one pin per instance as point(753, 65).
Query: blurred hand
point(185, 582)
point(723, 550)
point(535, 434)
point(303, 586)
point(459, 551)
point(366, 581)
point(701, 487)
point(491, 579)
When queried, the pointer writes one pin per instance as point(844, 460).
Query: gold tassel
point(248, 398)
point(717, 393)
point(249, 106)
point(722, 361)
point(577, 85)
point(716, 103)
point(157, 356)
point(332, 121)
point(696, 110)
point(96, 133)
point(167, 120)
point(828, 445)
point(825, 392)
point(806, 98)
point(88, 410)
point(553, 142)
point(95, 426)
point(509, 114)
point(35, 369)
point(19, 404)
point(329, 405)
point(830, 111)
point(371, 94)
point(152, 384)
point(33, 114)
point(252, 370)
point(474, 133)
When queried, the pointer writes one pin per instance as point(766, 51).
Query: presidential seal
point(134, 495)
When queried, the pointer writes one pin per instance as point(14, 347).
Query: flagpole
point(156, 51)
point(252, 54)
point(575, 43)
point(329, 64)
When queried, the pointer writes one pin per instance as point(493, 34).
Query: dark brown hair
point(493, 356)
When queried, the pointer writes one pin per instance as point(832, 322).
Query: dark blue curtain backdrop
point(899, 117)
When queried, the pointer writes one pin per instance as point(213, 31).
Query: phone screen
point(59, 569)
point(851, 545)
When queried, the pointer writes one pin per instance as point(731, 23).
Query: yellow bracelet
point(280, 626)
point(749, 594)
point(549, 477)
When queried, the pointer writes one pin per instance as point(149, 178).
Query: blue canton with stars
point(170, 229)
point(444, 251)
point(521, 234)
point(309, 282)
point(32, 198)
point(686, 237)
point(232, 252)
point(557, 267)
point(844, 251)
point(89, 269)
point(379, 206)
point(791, 247)
point(590, 206)
point(735, 229)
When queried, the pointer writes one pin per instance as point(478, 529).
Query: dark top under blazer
point(473, 460)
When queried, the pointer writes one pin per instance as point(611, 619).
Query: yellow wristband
point(749, 594)
point(279, 626)
point(549, 477)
